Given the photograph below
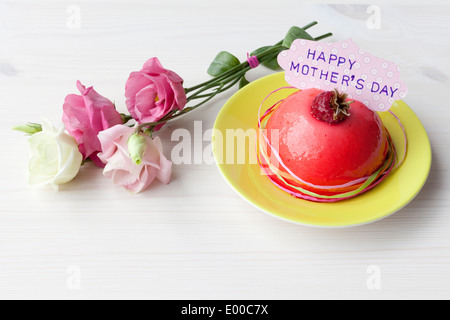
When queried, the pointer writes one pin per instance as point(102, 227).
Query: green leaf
point(260, 50)
point(270, 63)
point(243, 82)
point(294, 34)
point(223, 62)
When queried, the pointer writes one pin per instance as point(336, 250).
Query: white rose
point(55, 158)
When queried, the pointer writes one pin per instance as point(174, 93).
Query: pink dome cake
point(329, 147)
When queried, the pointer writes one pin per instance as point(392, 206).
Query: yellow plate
point(236, 162)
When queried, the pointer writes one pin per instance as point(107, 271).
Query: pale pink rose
point(154, 92)
point(120, 166)
point(85, 116)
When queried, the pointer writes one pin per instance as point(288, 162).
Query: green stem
point(261, 58)
point(171, 117)
point(222, 82)
point(309, 25)
point(231, 82)
point(205, 88)
point(323, 36)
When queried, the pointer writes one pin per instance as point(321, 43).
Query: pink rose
point(121, 167)
point(154, 92)
point(87, 115)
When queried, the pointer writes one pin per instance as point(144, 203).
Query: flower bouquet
point(125, 145)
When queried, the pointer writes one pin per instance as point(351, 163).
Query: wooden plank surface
point(196, 239)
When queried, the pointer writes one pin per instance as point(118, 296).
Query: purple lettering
point(295, 67)
point(345, 79)
point(360, 84)
point(321, 57)
point(334, 77)
point(351, 64)
point(303, 69)
point(322, 74)
point(385, 91)
point(375, 85)
point(311, 53)
point(333, 57)
point(392, 92)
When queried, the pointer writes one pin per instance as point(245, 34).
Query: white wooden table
point(196, 239)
